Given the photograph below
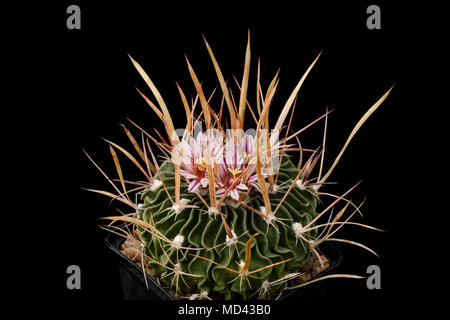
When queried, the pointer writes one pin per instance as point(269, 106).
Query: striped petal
point(194, 185)
point(234, 194)
point(204, 182)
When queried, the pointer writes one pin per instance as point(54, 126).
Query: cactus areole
point(227, 214)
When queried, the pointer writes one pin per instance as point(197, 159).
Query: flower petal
point(193, 186)
point(242, 187)
point(204, 182)
point(220, 192)
point(234, 194)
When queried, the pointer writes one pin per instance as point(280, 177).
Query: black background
point(93, 91)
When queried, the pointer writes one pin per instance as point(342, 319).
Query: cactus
point(227, 214)
point(195, 227)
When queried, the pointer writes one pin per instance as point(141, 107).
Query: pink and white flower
point(195, 154)
point(233, 163)
point(238, 157)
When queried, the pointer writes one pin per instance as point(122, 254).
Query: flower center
point(200, 163)
point(234, 172)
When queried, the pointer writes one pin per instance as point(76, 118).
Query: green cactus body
point(202, 230)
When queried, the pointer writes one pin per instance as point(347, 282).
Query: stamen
point(201, 163)
point(235, 172)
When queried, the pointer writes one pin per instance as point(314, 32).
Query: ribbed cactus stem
point(275, 251)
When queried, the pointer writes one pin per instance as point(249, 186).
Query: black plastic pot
point(134, 287)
